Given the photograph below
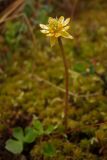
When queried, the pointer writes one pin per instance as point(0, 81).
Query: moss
point(24, 95)
point(65, 150)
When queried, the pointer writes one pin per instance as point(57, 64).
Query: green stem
point(66, 75)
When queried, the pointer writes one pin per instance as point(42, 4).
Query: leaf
point(30, 135)
point(84, 67)
point(50, 129)
point(42, 16)
point(18, 133)
point(49, 150)
point(38, 127)
point(92, 69)
point(13, 146)
point(29, 7)
point(80, 67)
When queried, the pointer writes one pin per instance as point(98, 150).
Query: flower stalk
point(55, 29)
point(66, 75)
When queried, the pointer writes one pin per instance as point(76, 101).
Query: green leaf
point(18, 133)
point(50, 129)
point(38, 127)
point(13, 146)
point(80, 67)
point(30, 135)
point(84, 67)
point(29, 7)
point(49, 150)
point(42, 16)
point(92, 69)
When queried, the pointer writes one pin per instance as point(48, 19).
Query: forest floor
point(32, 87)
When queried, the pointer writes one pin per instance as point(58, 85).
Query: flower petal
point(52, 41)
point(66, 21)
point(50, 34)
point(66, 28)
point(61, 19)
point(51, 20)
point(57, 34)
point(66, 35)
point(43, 26)
point(44, 31)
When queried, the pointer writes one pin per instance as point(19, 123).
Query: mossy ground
point(32, 85)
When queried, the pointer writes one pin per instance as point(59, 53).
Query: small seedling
point(28, 135)
point(37, 125)
point(20, 137)
point(49, 150)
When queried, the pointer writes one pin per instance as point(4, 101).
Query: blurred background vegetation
point(31, 76)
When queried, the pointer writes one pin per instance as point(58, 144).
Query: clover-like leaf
point(50, 129)
point(38, 127)
point(49, 150)
point(80, 67)
point(30, 135)
point(18, 133)
point(14, 146)
point(84, 67)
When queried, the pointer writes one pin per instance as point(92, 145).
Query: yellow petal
point(61, 19)
point(52, 41)
point(66, 21)
point(66, 35)
point(66, 28)
point(50, 20)
point(57, 34)
point(44, 31)
point(43, 26)
point(50, 34)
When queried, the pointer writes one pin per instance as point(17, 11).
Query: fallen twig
point(11, 9)
point(27, 22)
point(39, 79)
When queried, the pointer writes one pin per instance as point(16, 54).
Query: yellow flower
point(56, 28)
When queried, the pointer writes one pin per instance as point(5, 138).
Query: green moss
point(30, 86)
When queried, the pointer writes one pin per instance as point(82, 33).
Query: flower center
point(55, 27)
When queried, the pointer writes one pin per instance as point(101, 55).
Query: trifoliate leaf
point(18, 133)
point(38, 127)
point(14, 146)
point(49, 150)
point(30, 135)
point(50, 129)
